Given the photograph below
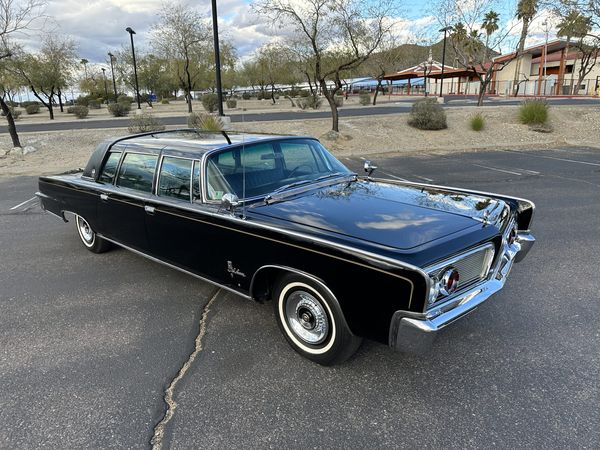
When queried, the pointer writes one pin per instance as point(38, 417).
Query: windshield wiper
point(285, 187)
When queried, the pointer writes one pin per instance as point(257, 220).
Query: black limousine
point(342, 257)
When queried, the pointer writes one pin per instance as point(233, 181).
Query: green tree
point(47, 72)
point(15, 18)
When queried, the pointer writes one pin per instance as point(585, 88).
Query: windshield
point(268, 166)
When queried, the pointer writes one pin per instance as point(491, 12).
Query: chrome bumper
point(415, 333)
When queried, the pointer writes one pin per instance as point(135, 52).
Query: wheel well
point(261, 286)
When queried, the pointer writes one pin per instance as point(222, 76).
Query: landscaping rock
point(541, 128)
point(28, 149)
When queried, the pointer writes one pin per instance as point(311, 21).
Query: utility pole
point(217, 56)
point(137, 87)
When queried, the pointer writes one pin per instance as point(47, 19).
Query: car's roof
point(191, 142)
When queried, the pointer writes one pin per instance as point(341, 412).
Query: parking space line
point(423, 178)
point(23, 203)
point(393, 176)
point(555, 158)
point(497, 170)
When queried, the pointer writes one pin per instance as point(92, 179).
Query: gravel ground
point(359, 136)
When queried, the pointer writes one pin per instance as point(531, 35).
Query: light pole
point(217, 56)
point(105, 88)
point(137, 88)
point(547, 30)
point(445, 30)
point(112, 69)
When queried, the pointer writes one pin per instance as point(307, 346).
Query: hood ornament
point(369, 168)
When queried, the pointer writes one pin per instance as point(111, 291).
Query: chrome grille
point(473, 266)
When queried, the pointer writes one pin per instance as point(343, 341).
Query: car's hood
point(397, 216)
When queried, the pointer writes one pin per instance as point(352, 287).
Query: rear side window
point(110, 168)
point(174, 180)
point(137, 172)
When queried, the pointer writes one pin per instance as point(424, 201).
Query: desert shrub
point(142, 123)
point(93, 104)
point(477, 122)
point(309, 102)
point(339, 100)
point(533, 112)
point(164, 101)
point(70, 110)
point(427, 114)
point(231, 103)
point(210, 102)
point(83, 101)
point(32, 109)
point(15, 113)
point(246, 96)
point(12, 104)
point(364, 98)
point(26, 104)
point(81, 111)
point(205, 122)
point(304, 94)
point(119, 109)
point(125, 99)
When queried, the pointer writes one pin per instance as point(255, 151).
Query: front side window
point(110, 168)
point(259, 169)
point(137, 172)
point(174, 179)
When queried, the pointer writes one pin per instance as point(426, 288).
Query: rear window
point(110, 168)
point(137, 172)
point(174, 179)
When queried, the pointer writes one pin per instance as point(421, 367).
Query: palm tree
point(84, 62)
point(526, 9)
point(490, 25)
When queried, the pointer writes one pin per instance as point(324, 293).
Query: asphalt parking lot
point(89, 343)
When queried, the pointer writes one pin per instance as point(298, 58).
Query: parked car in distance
point(342, 257)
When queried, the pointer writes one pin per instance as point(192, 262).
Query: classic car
point(342, 257)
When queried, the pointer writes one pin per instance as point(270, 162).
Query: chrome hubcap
point(306, 317)
point(84, 229)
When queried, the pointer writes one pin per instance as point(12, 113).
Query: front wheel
point(89, 238)
point(312, 322)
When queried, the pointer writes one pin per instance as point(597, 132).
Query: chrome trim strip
point(152, 258)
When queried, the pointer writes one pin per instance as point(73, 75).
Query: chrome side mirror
point(369, 168)
point(230, 201)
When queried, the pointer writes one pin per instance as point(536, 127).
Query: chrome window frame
point(125, 153)
point(159, 171)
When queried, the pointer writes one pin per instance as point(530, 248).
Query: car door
point(122, 207)
point(173, 236)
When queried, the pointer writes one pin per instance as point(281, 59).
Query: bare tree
point(384, 61)
point(183, 37)
point(340, 35)
point(16, 17)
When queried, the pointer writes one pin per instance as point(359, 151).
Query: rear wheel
point(89, 238)
point(312, 321)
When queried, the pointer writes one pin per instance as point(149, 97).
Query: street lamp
point(112, 69)
point(546, 29)
point(217, 56)
point(445, 30)
point(137, 88)
point(105, 88)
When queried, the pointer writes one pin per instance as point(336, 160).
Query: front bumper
point(415, 333)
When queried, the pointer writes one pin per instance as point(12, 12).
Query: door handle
point(103, 197)
point(149, 209)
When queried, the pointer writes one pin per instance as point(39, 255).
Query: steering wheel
point(295, 169)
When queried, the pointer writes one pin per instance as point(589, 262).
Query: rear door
point(122, 206)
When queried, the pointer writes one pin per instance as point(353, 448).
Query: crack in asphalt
point(159, 430)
